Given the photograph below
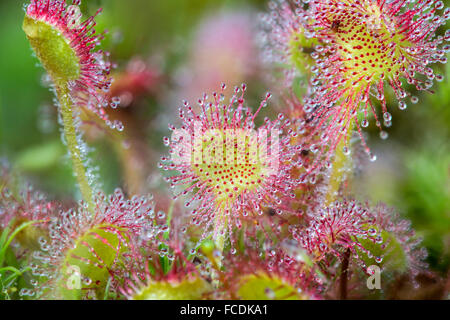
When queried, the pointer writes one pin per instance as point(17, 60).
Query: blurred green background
point(412, 172)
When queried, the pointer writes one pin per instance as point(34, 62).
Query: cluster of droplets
point(28, 205)
point(348, 226)
point(91, 89)
point(390, 222)
point(336, 229)
point(230, 186)
point(164, 267)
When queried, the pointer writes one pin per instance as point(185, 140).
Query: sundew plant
point(224, 150)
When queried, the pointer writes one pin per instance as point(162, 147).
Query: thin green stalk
point(16, 273)
point(61, 62)
point(108, 284)
point(70, 135)
point(343, 290)
point(219, 240)
point(340, 163)
point(11, 269)
point(166, 264)
point(169, 218)
point(5, 245)
point(219, 243)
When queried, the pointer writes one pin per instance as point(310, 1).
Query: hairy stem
point(340, 163)
point(344, 275)
point(70, 134)
point(219, 243)
point(219, 239)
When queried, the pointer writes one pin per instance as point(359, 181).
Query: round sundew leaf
point(87, 265)
point(364, 45)
point(53, 50)
point(261, 286)
point(191, 288)
point(393, 255)
point(230, 163)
